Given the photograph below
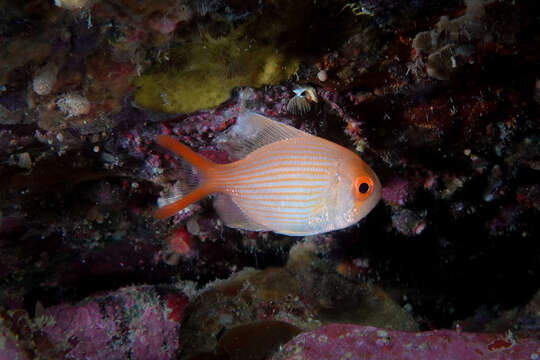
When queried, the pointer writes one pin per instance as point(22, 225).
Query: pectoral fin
point(232, 216)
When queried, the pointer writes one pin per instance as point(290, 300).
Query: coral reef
point(441, 99)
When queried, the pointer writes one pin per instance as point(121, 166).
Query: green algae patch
point(203, 73)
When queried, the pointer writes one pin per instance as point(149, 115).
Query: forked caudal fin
point(202, 164)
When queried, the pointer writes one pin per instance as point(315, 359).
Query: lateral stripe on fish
point(305, 179)
point(262, 188)
point(260, 165)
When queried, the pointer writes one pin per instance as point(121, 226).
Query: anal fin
point(232, 216)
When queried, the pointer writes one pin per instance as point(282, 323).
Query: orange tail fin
point(195, 160)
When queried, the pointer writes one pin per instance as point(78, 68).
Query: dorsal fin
point(253, 131)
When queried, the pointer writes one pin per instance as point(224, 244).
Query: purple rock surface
point(347, 341)
point(140, 322)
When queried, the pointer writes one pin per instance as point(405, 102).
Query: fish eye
point(363, 186)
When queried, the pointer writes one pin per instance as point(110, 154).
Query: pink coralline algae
point(347, 341)
point(86, 328)
point(131, 321)
point(396, 192)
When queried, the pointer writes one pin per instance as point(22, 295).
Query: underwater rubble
point(441, 99)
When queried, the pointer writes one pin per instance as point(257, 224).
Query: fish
point(286, 181)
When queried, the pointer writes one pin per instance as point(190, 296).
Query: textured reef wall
point(440, 98)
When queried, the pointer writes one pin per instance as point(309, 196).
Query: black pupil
point(363, 188)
